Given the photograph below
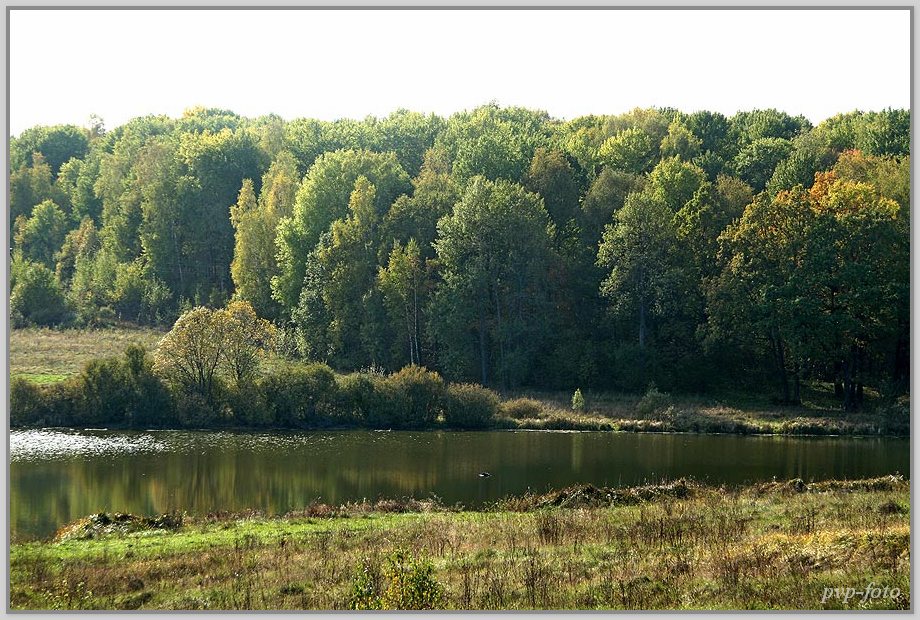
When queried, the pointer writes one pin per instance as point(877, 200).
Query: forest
point(498, 246)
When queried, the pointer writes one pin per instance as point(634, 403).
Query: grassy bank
point(737, 413)
point(50, 358)
point(44, 355)
point(674, 546)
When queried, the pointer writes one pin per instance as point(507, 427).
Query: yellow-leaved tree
point(207, 345)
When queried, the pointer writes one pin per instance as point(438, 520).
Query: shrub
point(407, 582)
point(653, 401)
point(522, 408)
point(470, 406)
point(357, 398)
point(121, 390)
point(578, 401)
point(412, 397)
point(248, 406)
point(37, 298)
point(194, 410)
point(27, 403)
point(105, 394)
point(42, 405)
point(305, 396)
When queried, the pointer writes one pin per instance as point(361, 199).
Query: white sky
point(66, 65)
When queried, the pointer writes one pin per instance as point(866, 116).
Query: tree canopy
point(497, 245)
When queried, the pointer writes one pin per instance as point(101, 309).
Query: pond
point(57, 476)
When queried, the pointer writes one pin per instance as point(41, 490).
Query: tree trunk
point(415, 335)
point(779, 359)
point(838, 383)
point(483, 349)
point(642, 324)
point(849, 380)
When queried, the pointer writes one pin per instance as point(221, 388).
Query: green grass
point(52, 355)
point(678, 546)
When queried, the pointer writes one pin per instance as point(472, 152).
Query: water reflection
point(57, 476)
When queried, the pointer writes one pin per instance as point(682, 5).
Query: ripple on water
point(55, 444)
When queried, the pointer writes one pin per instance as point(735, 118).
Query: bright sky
point(118, 64)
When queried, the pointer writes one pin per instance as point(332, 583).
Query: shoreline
point(535, 428)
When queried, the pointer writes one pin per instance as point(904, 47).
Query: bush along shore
point(130, 391)
point(676, 545)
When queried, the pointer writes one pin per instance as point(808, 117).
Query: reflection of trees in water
point(237, 471)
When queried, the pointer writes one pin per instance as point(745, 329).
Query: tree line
point(498, 245)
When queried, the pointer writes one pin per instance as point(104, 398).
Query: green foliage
point(754, 125)
point(680, 142)
point(522, 409)
point(604, 198)
point(256, 221)
point(27, 403)
point(553, 178)
point(79, 244)
point(403, 583)
point(757, 161)
point(404, 286)
point(357, 398)
point(470, 406)
point(476, 244)
point(489, 286)
point(631, 150)
point(492, 142)
point(31, 185)
point(806, 271)
point(56, 145)
point(37, 297)
point(120, 391)
point(886, 133)
point(207, 346)
point(41, 236)
point(303, 397)
point(322, 199)
point(411, 398)
point(653, 401)
point(578, 401)
point(648, 275)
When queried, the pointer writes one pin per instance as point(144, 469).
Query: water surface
point(57, 476)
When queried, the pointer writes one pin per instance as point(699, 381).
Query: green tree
point(647, 275)
point(416, 216)
point(42, 235)
point(79, 244)
point(604, 198)
point(29, 186)
point(403, 283)
point(494, 142)
point(756, 162)
point(56, 144)
point(348, 257)
point(37, 297)
point(553, 178)
point(631, 150)
point(680, 142)
point(885, 133)
point(754, 303)
point(322, 199)
point(492, 288)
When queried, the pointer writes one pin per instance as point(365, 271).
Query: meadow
point(680, 545)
